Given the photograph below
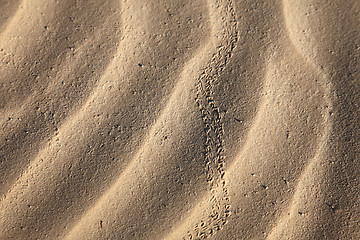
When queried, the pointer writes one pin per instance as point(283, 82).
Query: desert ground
point(180, 119)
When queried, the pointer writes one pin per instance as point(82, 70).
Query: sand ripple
point(214, 119)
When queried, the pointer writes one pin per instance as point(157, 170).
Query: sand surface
point(179, 119)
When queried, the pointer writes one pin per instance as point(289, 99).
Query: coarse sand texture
point(180, 119)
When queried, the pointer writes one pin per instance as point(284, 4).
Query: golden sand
point(179, 119)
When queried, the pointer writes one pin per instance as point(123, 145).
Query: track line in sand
point(213, 127)
point(212, 119)
point(184, 86)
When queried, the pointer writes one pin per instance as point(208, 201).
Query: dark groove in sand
point(213, 126)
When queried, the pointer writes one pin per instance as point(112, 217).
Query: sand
point(215, 119)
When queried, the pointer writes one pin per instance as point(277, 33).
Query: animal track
point(213, 125)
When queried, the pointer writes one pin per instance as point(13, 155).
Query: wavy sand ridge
point(62, 158)
point(34, 108)
point(279, 231)
point(209, 119)
point(326, 203)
